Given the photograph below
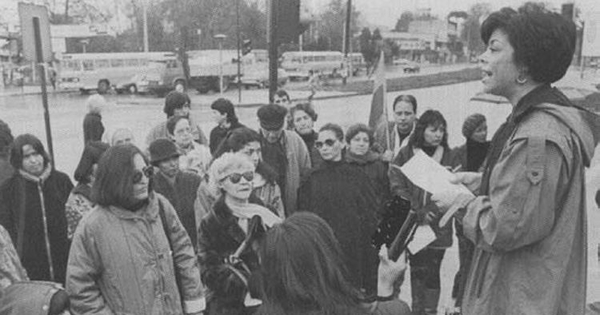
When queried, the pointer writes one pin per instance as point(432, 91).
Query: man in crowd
point(391, 138)
point(285, 152)
point(176, 104)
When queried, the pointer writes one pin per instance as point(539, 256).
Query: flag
point(378, 113)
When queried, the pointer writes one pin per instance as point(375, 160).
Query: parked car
point(407, 65)
point(260, 78)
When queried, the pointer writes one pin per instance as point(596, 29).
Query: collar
point(369, 157)
point(541, 94)
point(150, 212)
point(37, 179)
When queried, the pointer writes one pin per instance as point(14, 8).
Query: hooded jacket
point(121, 263)
point(530, 230)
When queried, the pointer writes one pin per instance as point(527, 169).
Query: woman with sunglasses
point(131, 254)
point(223, 230)
point(431, 138)
point(345, 198)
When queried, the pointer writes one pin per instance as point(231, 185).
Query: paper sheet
point(424, 235)
point(432, 177)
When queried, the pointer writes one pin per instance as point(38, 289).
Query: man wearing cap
point(224, 116)
point(176, 104)
point(177, 186)
point(285, 152)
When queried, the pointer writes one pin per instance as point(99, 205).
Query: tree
point(331, 25)
point(405, 18)
point(470, 34)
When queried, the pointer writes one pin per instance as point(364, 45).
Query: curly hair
point(358, 128)
point(336, 129)
point(307, 108)
point(543, 41)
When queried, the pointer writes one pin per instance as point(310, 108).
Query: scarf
point(476, 153)
point(526, 105)
point(37, 179)
point(436, 153)
point(366, 158)
point(245, 212)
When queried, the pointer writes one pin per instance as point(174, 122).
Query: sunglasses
point(328, 142)
point(236, 177)
point(147, 171)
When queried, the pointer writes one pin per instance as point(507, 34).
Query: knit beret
point(471, 123)
point(272, 116)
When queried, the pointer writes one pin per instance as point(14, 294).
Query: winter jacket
point(344, 197)
point(530, 230)
point(78, 205)
point(420, 200)
point(381, 142)
point(181, 195)
point(219, 236)
point(21, 214)
point(298, 167)
point(394, 307)
point(218, 133)
point(376, 169)
point(11, 270)
point(93, 129)
point(121, 263)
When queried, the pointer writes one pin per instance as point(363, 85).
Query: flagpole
point(385, 104)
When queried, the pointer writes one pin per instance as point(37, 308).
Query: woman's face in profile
point(497, 63)
point(140, 188)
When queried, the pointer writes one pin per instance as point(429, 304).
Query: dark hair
point(114, 176)
point(172, 122)
point(6, 138)
point(282, 93)
point(429, 118)
point(175, 100)
point(336, 129)
point(237, 139)
point(16, 151)
point(92, 153)
point(305, 107)
point(358, 128)
point(303, 269)
point(408, 99)
point(543, 41)
point(225, 106)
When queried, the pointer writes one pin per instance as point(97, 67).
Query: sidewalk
point(27, 90)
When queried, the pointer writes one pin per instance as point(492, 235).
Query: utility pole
point(239, 58)
point(347, 40)
point(273, 48)
point(145, 13)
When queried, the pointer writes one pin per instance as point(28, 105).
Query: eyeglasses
point(328, 142)
point(236, 177)
point(147, 171)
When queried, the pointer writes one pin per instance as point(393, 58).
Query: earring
point(521, 80)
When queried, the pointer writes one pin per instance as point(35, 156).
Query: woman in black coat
point(93, 129)
point(344, 197)
point(222, 232)
point(32, 209)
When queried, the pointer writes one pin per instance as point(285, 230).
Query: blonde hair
point(95, 103)
point(224, 166)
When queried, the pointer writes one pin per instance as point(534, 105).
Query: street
point(24, 114)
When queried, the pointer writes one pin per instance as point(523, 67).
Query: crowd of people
point(280, 220)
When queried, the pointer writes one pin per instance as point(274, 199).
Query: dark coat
point(343, 196)
point(182, 196)
point(20, 202)
point(93, 129)
point(420, 200)
point(219, 236)
point(218, 134)
point(315, 156)
point(376, 169)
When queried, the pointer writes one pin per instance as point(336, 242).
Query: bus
point(299, 64)
point(103, 71)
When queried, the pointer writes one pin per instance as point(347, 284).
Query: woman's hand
point(387, 156)
point(472, 180)
point(388, 272)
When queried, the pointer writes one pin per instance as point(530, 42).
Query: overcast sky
point(386, 12)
